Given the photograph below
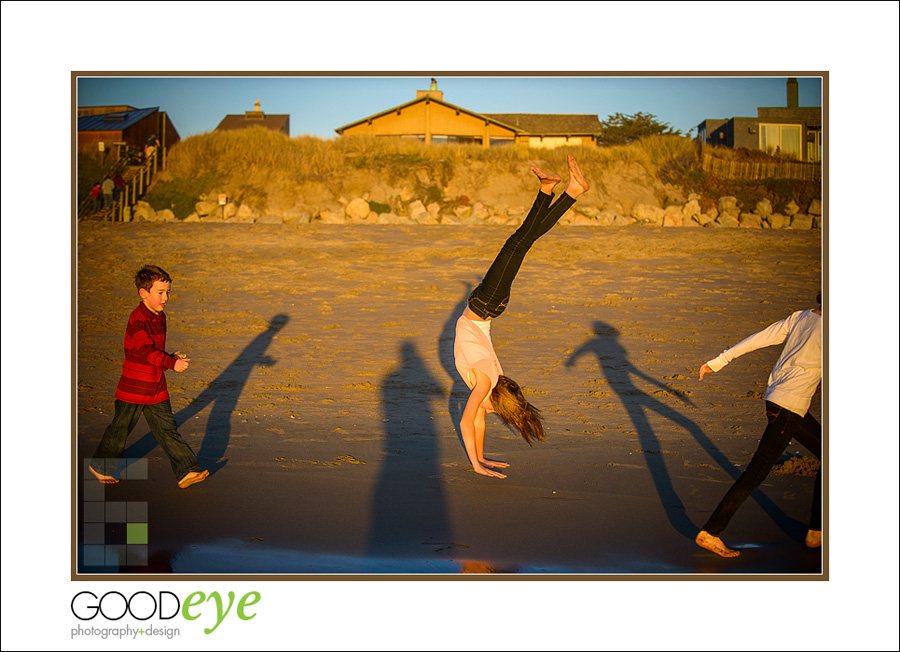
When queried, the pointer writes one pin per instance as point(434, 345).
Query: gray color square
point(94, 512)
point(93, 490)
point(94, 555)
point(115, 555)
point(94, 533)
point(136, 555)
point(115, 512)
point(136, 512)
point(136, 469)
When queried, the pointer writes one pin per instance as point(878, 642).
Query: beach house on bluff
point(102, 127)
point(430, 119)
point(257, 118)
point(792, 131)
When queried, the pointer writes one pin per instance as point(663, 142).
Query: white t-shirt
point(473, 349)
point(797, 373)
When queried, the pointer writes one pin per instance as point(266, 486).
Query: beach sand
point(323, 398)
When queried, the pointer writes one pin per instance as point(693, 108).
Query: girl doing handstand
point(473, 350)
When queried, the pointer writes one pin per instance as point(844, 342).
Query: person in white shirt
point(791, 386)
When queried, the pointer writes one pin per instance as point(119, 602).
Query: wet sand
point(323, 398)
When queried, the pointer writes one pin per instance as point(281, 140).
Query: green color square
point(136, 533)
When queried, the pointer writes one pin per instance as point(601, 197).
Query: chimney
point(792, 93)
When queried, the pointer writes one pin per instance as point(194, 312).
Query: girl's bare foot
point(577, 184)
point(192, 478)
point(548, 181)
point(105, 479)
point(483, 470)
point(814, 539)
point(714, 544)
point(494, 464)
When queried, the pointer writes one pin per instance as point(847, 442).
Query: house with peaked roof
point(100, 127)
point(257, 118)
point(793, 131)
point(430, 119)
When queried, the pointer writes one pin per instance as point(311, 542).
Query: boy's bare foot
point(577, 184)
point(483, 470)
point(494, 464)
point(105, 479)
point(192, 478)
point(814, 539)
point(548, 181)
point(714, 544)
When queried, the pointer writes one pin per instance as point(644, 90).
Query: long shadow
point(459, 392)
point(222, 395)
point(613, 360)
point(408, 505)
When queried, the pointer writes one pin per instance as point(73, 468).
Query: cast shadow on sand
point(613, 361)
point(222, 396)
point(459, 392)
point(409, 514)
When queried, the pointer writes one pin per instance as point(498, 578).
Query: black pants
point(159, 417)
point(490, 298)
point(784, 425)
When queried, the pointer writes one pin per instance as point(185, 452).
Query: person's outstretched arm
point(472, 424)
point(774, 334)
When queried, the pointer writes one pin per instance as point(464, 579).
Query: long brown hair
point(510, 405)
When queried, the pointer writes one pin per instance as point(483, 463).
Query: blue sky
point(318, 105)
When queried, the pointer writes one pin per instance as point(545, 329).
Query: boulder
point(270, 219)
point(462, 211)
point(204, 208)
point(165, 215)
point(479, 211)
point(245, 213)
point(497, 220)
point(434, 209)
point(777, 221)
point(605, 218)
point(193, 217)
point(727, 220)
point(390, 218)
point(817, 222)
point(297, 217)
point(729, 205)
point(791, 208)
point(622, 220)
point(691, 209)
point(690, 221)
point(358, 209)
point(582, 220)
point(801, 221)
point(673, 216)
point(332, 217)
point(449, 219)
point(647, 213)
point(815, 207)
point(763, 208)
point(143, 212)
point(704, 218)
point(229, 210)
point(750, 221)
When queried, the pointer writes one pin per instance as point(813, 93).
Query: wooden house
point(430, 119)
point(101, 127)
point(256, 118)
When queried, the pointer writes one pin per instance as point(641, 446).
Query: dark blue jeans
point(490, 298)
point(161, 420)
point(784, 425)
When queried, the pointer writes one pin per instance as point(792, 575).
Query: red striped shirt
point(143, 378)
